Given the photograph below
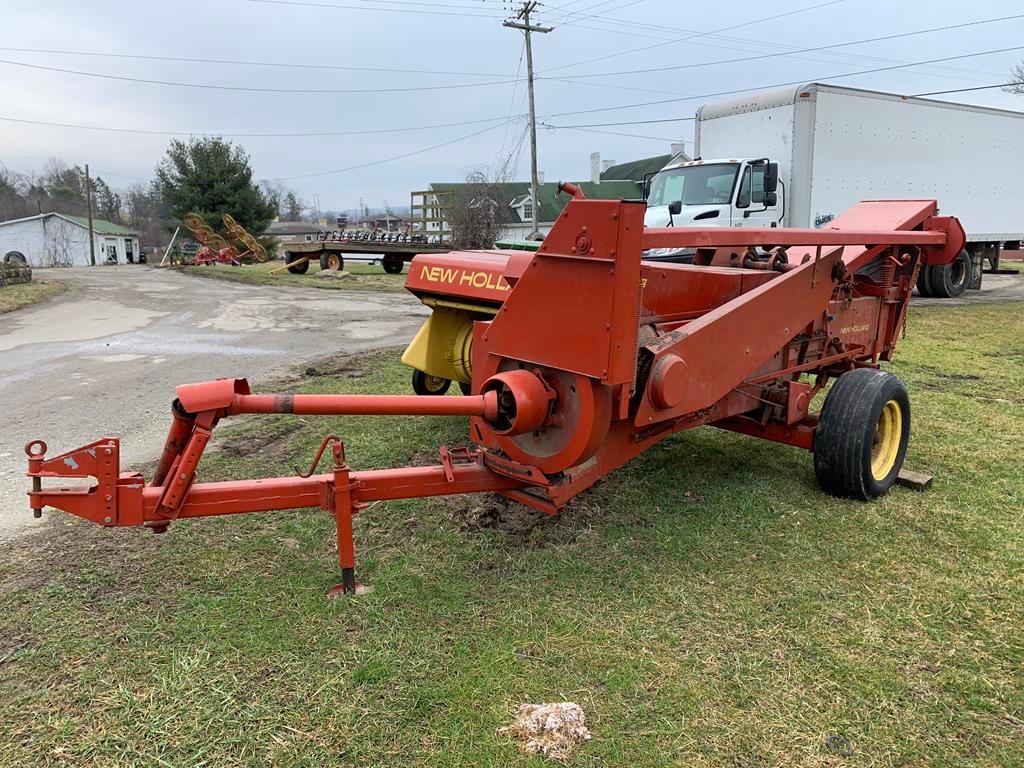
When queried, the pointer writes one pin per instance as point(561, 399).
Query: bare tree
point(1017, 80)
point(480, 212)
point(57, 244)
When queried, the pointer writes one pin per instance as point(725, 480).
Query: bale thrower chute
point(585, 357)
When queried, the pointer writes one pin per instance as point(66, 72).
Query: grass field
point(14, 297)
point(707, 605)
point(364, 277)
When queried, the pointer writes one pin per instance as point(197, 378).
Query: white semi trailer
point(798, 156)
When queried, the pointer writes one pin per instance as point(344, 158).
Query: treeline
point(207, 176)
point(60, 188)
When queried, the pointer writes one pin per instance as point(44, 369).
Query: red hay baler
point(579, 357)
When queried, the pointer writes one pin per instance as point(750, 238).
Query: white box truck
point(829, 147)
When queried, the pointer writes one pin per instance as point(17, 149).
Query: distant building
point(519, 220)
point(388, 222)
point(294, 231)
point(61, 240)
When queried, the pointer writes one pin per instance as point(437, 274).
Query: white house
point(60, 240)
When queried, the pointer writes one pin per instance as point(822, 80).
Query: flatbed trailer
point(331, 253)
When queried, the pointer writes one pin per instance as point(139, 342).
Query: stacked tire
point(14, 269)
point(947, 281)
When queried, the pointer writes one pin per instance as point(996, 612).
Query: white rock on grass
point(552, 730)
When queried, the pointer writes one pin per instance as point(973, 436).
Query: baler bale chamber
point(580, 356)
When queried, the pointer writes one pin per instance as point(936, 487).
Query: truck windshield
point(693, 185)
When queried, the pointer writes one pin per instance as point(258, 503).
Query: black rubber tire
point(393, 265)
point(950, 280)
point(846, 432)
point(297, 269)
point(422, 384)
point(467, 389)
point(15, 259)
point(325, 261)
point(924, 282)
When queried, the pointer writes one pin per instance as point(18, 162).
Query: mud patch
point(64, 553)
point(272, 440)
point(491, 512)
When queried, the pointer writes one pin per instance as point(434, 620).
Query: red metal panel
point(583, 285)
point(726, 345)
point(485, 276)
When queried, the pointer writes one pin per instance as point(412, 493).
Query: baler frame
point(643, 351)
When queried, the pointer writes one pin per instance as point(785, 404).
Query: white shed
point(60, 240)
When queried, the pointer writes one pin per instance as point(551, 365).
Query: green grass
point(706, 605)
point(14, 297)
point(365, 277)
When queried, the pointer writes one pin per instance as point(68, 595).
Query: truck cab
point(713, 193)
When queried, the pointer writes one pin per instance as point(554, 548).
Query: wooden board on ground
point(915, 481)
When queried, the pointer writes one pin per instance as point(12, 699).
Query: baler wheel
point(467, 389)
point(425, 384)
point(393, 264)
point(950, 280)
point(862, 434)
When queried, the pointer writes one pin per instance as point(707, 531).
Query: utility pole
point(524, 14)
point(88, 208)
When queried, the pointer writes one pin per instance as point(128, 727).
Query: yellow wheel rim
point(434, 383)
point(886, 445)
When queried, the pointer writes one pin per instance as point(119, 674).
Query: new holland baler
point(580, 356)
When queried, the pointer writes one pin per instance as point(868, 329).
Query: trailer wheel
point(950, 280)
point(392, 264)
point(425, 384)
point(332, 260)
point(924, 282)
point(862, 434)
point(296, 268)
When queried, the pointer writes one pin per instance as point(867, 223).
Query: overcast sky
point(446, 43)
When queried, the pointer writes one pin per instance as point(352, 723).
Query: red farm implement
point(214, 249)
point(579, 357)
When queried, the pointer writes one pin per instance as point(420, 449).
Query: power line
point(307, 134)
point(801, 50)
point(632, 122)
point(699, 34)
point(613, 133)
point(976, 88)
point(793, 50)
point(790, 82)
point(249, 89)
point(463, 14)
point(243, 62)
point(389, 159)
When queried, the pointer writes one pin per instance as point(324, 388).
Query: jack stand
point(344, 507)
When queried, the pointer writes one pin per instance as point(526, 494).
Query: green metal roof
point(101, 226)
point(550, 201)
point(518, 245)
point(635, 170)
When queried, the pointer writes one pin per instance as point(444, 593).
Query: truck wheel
point(425, 384)
point(862, 433)
point(393, 264)
point(295, 268)
point(924, 282)
point(332, 261)
point(950, 280)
